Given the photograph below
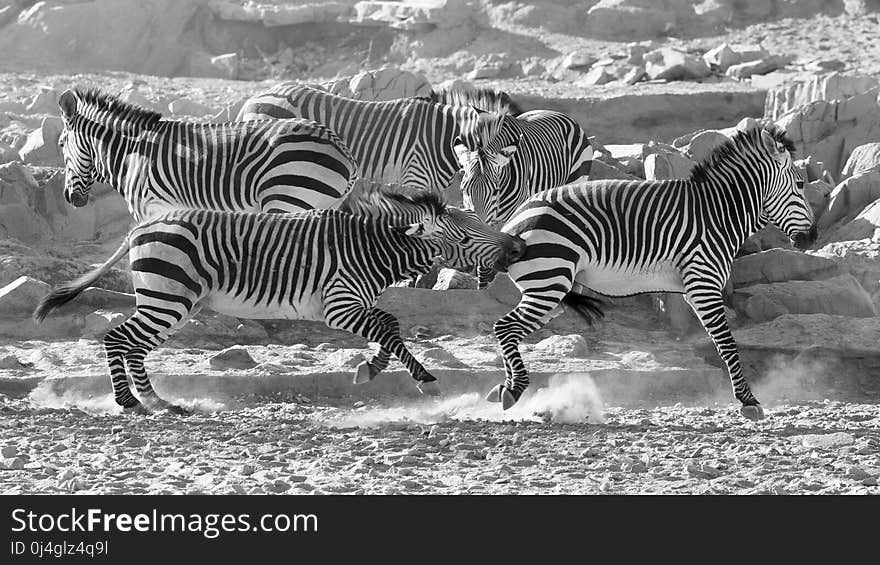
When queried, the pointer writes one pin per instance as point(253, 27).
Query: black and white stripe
point(268, 166)
point(620, 238)
point(408, 142)
point(325, 265)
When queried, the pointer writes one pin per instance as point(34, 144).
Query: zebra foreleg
point(530, 314)
point(708, 305)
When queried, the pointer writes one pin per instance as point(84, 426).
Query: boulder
point(725, 56)
point(866, 225)
point(818, 194)
point(840, 295)
point(863, 158)
point(235, 357)
point(596, 76)
point(449, 279)
point(579, 59)
point(861, 258)
point(798, 89)
point(382, 84)
point(8, 153)
point(662, 166)
point(45, 101)
point(637, 19)
point(760, 67)
point(19, 298)
point(861, 7)
point(561, 347)
point(271, 14)
point(634, 75)
point(41, 147)
point(830, 131)
point(702, 144)
point(848, 199)
point(422, 16)
point(778, 265)
point(668, 63)
point(18, 219)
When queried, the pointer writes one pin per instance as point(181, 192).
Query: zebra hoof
point(753, 412)
point(431, 388)
point(138, 409)
point(495, 394)
point(364, 374)
point(508, 399)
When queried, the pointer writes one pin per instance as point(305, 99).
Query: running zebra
point(621, 238)
point(269, 166)
point(321, 265)
point(409, 142)
point(516, 158)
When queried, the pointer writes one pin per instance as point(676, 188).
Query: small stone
point(278, 486)
point(246, 469)
point(597, 76)
point(635, 75)
point(235, 357)
point(12, 463)
point(441, 356)
point(579, 59)
point(8, 451)
point(857, 473)
point(134, 441)
point(420, 332)
point(826, 441)
point(10, 362)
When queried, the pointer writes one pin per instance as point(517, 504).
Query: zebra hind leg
point(532, 312)
point(135, 362)
point(345, 312)
point(367, 370)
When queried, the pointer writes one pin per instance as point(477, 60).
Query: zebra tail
point(66, 292)
point(589, 308)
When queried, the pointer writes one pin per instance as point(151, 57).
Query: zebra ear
point(461, 153)
point(67, 102)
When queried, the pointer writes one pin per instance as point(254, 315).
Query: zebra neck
point(111, 153)
point(734, 209)
point(408, 256)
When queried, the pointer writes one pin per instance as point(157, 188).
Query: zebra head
point(785, 204)
point(468, 242)
point(79, 166)
point(484, 171)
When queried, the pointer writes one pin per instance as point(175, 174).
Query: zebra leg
point(532, 312)
point(708, 305)
point(116, 345)
point(344, 311)
point(368, 370)
point(135, 361)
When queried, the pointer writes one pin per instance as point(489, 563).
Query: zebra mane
point(125, 111)
point(486, 99)
point(376, 194)
point(739, 145)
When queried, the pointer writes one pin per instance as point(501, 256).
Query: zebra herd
point(257, 218)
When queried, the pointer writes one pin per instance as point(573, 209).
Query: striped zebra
point(408, 142)
point(621, 238)
point(269, 166)
point(321, 265)
point(516, 158)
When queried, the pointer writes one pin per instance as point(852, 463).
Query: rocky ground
point(285, 445)
point(636, 404)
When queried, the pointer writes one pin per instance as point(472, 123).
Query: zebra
point(325, 265)
point(408, 142)
point(520, 156)
point(621, 238)
point(268, 166)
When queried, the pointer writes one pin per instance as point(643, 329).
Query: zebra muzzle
point(804, 239)
point(514, 249)
point(76, 199)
